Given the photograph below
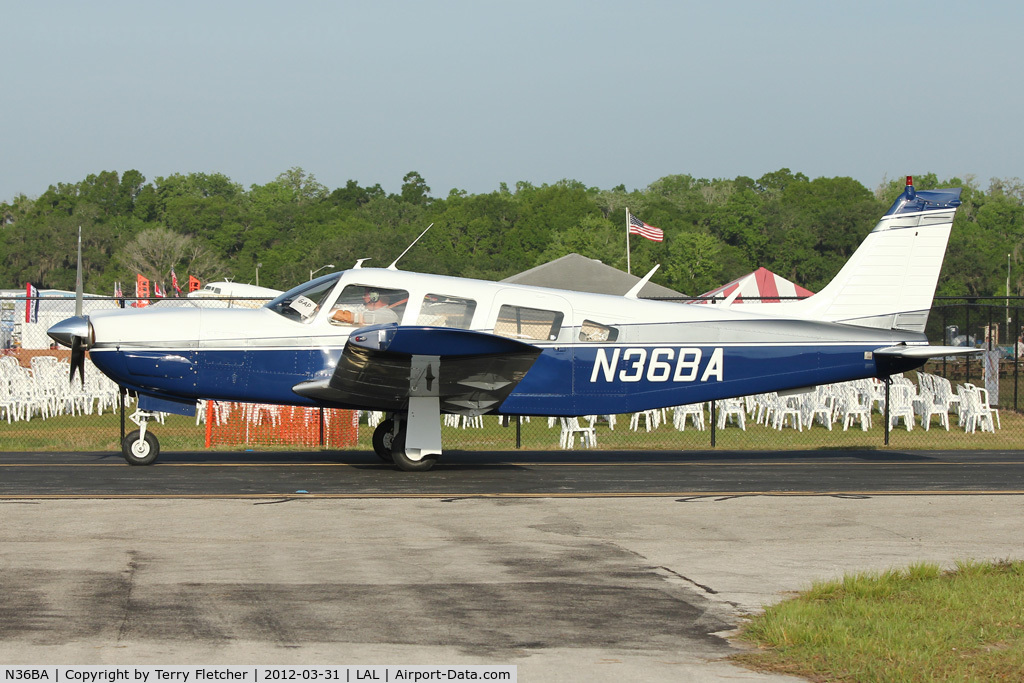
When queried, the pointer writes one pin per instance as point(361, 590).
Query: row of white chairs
point(43, 390)
point(848, 403)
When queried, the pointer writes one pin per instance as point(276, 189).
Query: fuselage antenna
point(634, 293)
point(394, 266)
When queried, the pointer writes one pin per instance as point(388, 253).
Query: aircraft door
point(545, 320)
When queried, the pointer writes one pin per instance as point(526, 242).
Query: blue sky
point(475, 93)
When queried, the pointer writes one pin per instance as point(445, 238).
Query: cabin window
point(360, 305)
point(520, 322)
point(440, 310)
point(596, 332)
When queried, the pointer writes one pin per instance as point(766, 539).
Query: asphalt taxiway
point(513, 473)
point(584, 565)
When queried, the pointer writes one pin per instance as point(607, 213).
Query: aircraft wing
point(383, 366)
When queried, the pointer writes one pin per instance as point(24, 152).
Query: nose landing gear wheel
point(138, 451)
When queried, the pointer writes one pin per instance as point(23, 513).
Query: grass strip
point(917, 624)
point(102, 433)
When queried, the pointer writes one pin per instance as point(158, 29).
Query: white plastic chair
point(694, 411)
point(975, 411)
point(817, 404)
point(852, 406)
point(786, 407)
point(652, 418)
point(986, 407)
point(901, 405)
point(732, 410)
point(570, 428)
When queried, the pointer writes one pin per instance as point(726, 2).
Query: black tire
point(403, 462)
point(382, 438)
point(140, 451)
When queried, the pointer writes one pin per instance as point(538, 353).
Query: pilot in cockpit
point(374, 310)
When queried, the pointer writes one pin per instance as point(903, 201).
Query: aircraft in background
point(227, 289)
point(417, 345)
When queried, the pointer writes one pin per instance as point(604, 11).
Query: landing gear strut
point(141, 447)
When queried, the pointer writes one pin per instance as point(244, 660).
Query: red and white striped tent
point(761, 283)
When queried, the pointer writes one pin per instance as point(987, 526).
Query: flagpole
point(629, 269)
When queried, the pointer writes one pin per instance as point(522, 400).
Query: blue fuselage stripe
point(563, 381)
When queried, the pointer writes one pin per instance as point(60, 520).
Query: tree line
point(208, 226)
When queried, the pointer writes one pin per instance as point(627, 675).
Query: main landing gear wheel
point(138, 451)
point(403, 461)
point(383, 436)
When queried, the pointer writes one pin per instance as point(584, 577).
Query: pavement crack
point(128, 582)
point(673, 576)
point(707, 589)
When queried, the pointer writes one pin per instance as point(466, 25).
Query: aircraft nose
point(66, 331)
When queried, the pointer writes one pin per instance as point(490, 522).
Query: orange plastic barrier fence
point(248, 424)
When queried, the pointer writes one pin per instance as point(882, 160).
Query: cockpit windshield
point(302, 302)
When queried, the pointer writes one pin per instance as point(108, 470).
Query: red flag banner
point(31, 303)
point(141, 291)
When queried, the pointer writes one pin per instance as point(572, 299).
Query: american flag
point(174, 283)
point(638, 227)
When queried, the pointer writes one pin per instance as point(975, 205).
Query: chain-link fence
point(965, 403)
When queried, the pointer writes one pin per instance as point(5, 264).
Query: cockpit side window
point(439, 310)
point(520, 322)
point(360, 305)
point(302, 302)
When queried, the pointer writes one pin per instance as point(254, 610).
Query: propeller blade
point(77, 360)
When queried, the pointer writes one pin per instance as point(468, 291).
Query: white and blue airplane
point(417, 345)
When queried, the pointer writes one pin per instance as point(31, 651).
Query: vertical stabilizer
point(889, 282)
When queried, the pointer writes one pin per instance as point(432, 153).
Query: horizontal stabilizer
point(926, 351)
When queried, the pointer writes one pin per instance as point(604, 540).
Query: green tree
point(415, 189)
point(352, 196)
point(694, 266)
point(157, 250)
point(303, 186)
